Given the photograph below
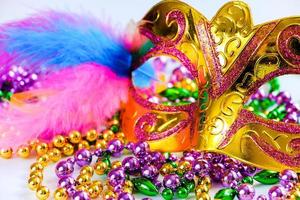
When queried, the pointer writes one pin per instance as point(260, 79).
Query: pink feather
point(77, 98)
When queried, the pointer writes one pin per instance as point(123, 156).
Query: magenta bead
point(189, 175)
point(262, 197)
point(64, 169)
point(80, 195)
point(83, 157)
point(125, 196)
point(288, 178)
point(150, 172)
point(247, 170)
point(140, 149)
point(277, 193)
point(230, 179)
point(200, 167)
point(131, 165)
point(171, 181)
point(217, 171)
point(66, 182)
point(115, 147)
point(245, 192)
point(116, 177)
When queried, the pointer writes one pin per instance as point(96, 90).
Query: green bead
point(274, 85)
point(255, 104)
point(195, 95)
point(273, 114)
point(248, 179)
point(174, 164)
point(182, 193)
point(144, 186)
point(267, 103)
point(190, 185)
point(171, 93)
point(106, 159)
point(167, 194)
point(226, 194)
point(267, 177)
point(167, 155)
point(114, 128)
point(184, 93)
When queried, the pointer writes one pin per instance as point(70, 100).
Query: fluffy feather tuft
point(77, 98)
point(53, 40)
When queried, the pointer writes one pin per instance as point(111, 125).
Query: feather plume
point(52, 40)
point(76, 98)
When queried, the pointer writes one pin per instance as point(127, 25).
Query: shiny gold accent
point(6, 153)
point(75, 137)
point(91, 135)
point(23, 151)
point(59, 141)
point(41, 148)
point(60, 194)
point(232, 58)
point(68, 149)
point(54, 154)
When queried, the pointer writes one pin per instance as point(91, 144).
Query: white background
point(13, 173)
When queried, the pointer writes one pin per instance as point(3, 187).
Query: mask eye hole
point(295, 45)
point(277, 100)
point(165, 80)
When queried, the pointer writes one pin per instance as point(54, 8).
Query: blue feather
point(56, 40)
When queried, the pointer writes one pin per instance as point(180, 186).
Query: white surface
point(13, 173)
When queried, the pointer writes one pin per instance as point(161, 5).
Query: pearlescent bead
point(83, 144)
point(245, 192)
point(42, 193)
point(34, 183)
point(87, 170)
point(101, 144)
point(42, 148)
point(44, 160)
point(150, 172)
point(125, 196)
point(116, 177)
point(95, 189)
point(75, 137)
point(6, 153)
point(83, 157)
point(262, 197)
point(83, 179)
point(60, 194)
point(23, 151)
point(66, 182)
point(115, 147)
point(91, 135)
point(288, 176)
point(277, 193)
point(64, 169)
point(108, 135)
point(100, 167)
point(131, 165)
point(36, 167)
point(68, 149)
point(59, 141)
point(140, 149)
point(80, 195)
point(54, 155)
point(184, 166)
point(116, 164)
point(171, 181)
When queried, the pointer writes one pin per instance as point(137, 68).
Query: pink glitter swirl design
point(247, 117)
point(164, 47)
point(288, 37)
point(174, 16)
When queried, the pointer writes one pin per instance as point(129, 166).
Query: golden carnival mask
point(229, 59)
